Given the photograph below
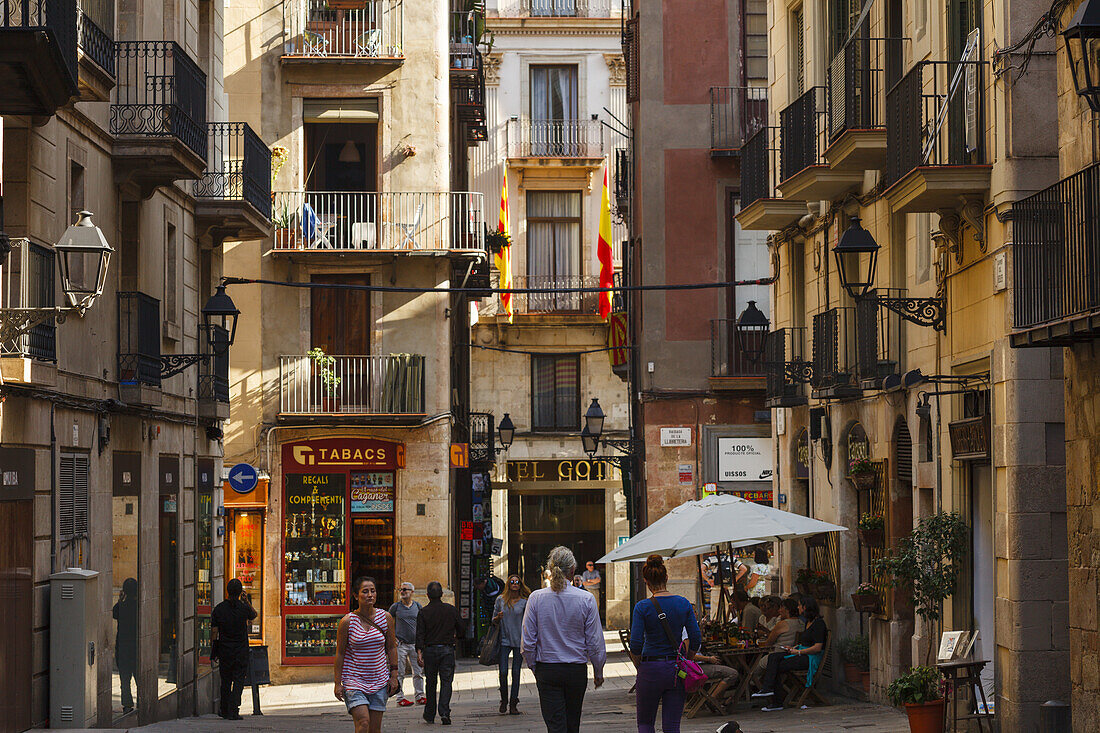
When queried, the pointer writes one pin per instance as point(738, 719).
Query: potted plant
point(283, 221)
point(927, 563)
point(866, 599)
point(816, 583)
point(856, 653)
point(496, 240)
point(872, 530)
point(330, 382)
point(861, 472)
point(921, 691)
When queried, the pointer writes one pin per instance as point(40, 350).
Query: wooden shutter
point(630, 59)
point(73, 496)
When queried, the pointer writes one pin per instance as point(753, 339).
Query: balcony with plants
point(372, 388)
point(320, 32)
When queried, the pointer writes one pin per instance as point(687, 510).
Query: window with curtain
point(556, 392)
point(554, 127)
point(553, 249)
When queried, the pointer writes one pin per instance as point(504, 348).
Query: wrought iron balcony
point(161, 97)
point(352, 386)
point(38, 59)
point(408, 221)
point(316, 33)
point(95, 39)
point(28, 282)
point(463, 37)
point(857, 80)
point(483, 440)
point(138, 339)
point(935, 136)
point(558, 9)
point(879, 335)
point(836, 355)
point(736, 113)
point(624, 183)
point(555, 139)
point(1056, 263)
point(786, 369)
point(735, 356)
point(762, 208)
point(551, 302)
point(238, 174)
point(805, 173)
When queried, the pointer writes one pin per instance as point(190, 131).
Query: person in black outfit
point(125, 614)
point(230, 620)
point(810, 642)
point(437, 628)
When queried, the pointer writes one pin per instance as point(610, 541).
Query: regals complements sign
point(745, 459)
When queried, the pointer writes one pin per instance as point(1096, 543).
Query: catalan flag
point(503, 258)
point(603, 250)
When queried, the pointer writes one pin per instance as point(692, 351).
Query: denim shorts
point(373, 700)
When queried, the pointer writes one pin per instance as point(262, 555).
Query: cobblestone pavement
point(311, 707)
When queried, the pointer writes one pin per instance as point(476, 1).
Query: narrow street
point(311, 707)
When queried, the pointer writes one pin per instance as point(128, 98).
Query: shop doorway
point(245, 560)
point(540, 521)
point(372, 550)
point(984, 594)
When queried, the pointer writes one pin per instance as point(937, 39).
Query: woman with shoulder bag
point(656, 628)
point(508, 612)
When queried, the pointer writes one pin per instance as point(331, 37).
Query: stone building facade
point(951, 417)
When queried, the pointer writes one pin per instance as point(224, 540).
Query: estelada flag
point(503, 258)
point(603, 250)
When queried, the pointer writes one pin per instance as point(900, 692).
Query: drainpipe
point(53, 492)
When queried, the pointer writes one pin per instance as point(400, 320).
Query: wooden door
point(17, 607)
point(340, 324)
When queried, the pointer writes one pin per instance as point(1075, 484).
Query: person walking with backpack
point(405, 611)
point(366, 647)
point(561, 635)
point(656, 628)
point(508, 612)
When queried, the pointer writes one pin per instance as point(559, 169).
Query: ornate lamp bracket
point(800, 372)
point(15, 322)
point(173, 364)
point(921, 311)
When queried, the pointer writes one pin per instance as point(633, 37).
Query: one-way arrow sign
point(242, 478)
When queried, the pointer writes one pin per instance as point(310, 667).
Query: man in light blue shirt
point(561, 635)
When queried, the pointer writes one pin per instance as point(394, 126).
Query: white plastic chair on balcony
point(314, 44)
point(314, 231)
point(408, 240)
point(369, 43)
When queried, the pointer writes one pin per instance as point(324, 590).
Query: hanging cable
point(1045, 27)
point(486, 292)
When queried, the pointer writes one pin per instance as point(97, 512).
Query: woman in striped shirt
point(366, 646)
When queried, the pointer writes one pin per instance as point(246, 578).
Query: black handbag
point(489, 653)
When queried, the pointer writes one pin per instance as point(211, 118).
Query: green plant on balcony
point(496, 240)
point(330, 382)
point(863, 473)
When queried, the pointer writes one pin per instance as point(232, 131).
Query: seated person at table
point(714, 670)
point(807, 655)
point(785, 633)
point(748, 614)
point(769, 609)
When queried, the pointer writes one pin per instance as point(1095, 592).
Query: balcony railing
point(624, 185)
point(857, 80)
point(324, 220)
point(736, 113)
point(57, 18)
point(28, 282)
point(558, 8)
point(214, 370)
point(835, 365)
point(786, 367)
point(555, 139)
point(1056, 255)
point(138, 339)
point(355, 385)
point(160, 92)
point(482, 440)
point(95, 32)
point(804, 131)
point(878, 339)
point(314, 30)
point(550, 302)
point(728, 357)
point(463, 39)
point(238, 167)
point(934, 117)
point(759, 166)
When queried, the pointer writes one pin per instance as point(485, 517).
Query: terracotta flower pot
point(824, 590)
point(330, 403)
point(925, 717)
point(873, 537)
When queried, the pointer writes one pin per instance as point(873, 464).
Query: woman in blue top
point(654, 652)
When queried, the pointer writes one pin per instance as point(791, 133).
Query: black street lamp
point(507, 432)
point(589, 441)
point(752, 332)
point(219, 317)
point(593, 419)
point(1082, 39)
point(856, 258)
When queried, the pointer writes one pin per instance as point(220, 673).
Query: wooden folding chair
point(624, 639)
point(799, 693)
point(704, 697)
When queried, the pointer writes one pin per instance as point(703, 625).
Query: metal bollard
point(1054, 717)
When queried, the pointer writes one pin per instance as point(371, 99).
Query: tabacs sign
point(343, 453)
point(745, 459)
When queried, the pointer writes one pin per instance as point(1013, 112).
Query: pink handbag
point(686, 669)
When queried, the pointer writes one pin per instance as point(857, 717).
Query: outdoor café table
point(742, 659)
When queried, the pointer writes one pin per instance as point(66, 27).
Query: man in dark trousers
point(437, 628)
point(229, 621)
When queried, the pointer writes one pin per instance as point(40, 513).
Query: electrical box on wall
point(74, 617)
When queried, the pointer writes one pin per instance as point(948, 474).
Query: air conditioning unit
point(74, 620)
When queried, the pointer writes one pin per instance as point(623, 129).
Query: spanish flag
point(603, 250)
point(503, 259)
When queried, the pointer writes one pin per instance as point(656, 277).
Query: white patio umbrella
point(696, 527)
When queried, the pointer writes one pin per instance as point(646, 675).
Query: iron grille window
point(72, 500)
point(555, 392)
